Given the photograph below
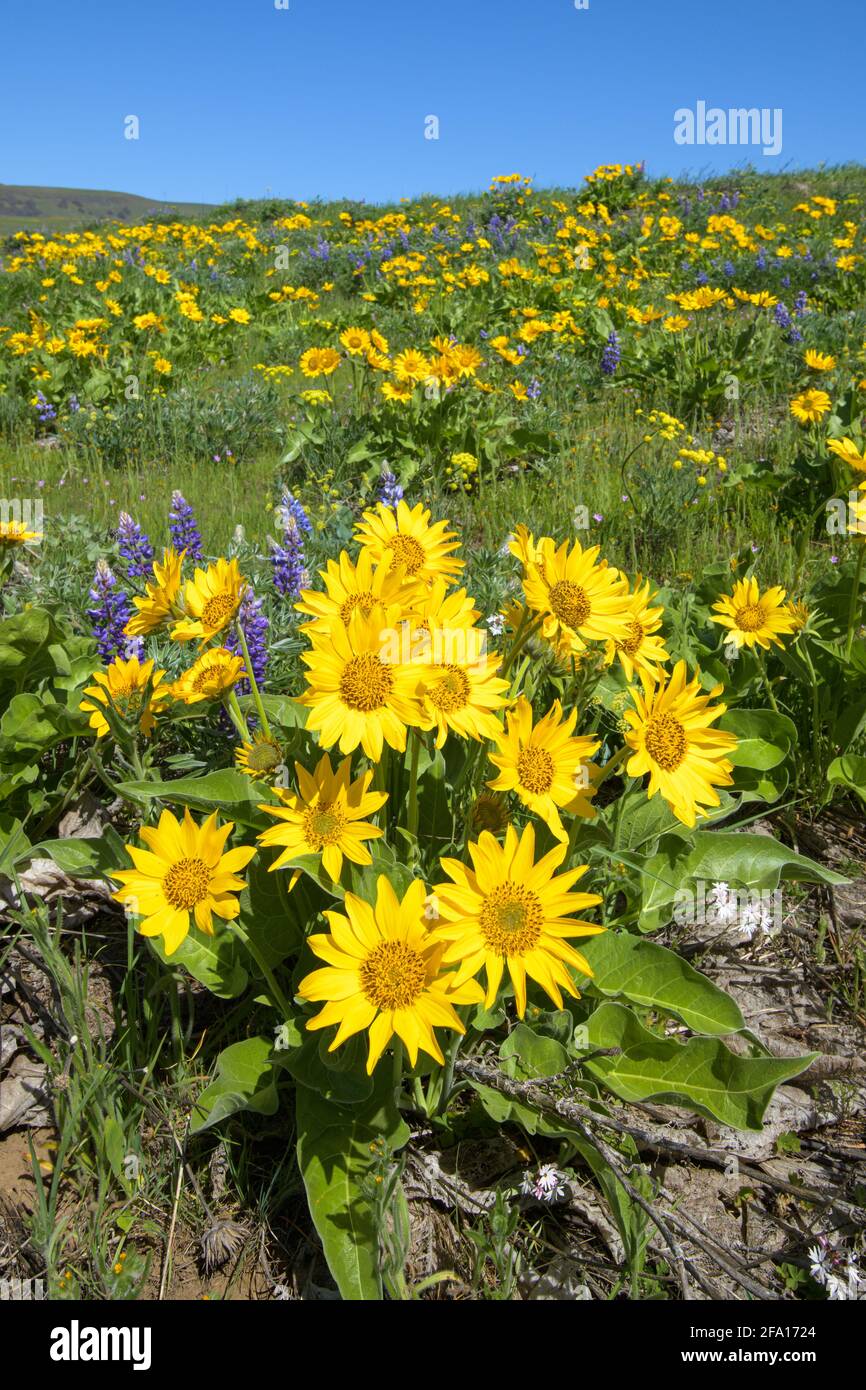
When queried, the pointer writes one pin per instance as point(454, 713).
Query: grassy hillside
point(24, 206)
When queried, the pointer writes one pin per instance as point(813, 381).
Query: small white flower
point(496, 623)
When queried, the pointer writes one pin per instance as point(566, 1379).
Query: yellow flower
point(642, 650)
point(403, 394)
point(319, 361)
point(799, 615)
point(131, 689)
point(461, 690)
point(183, 874)
point(211, 601)
point(13, 533)
point(356, 341)
point(405, 537)
point(580, 600)
point(672, 741)
point(847, 451)
point(809, 406)
point(544, 765)
point(675, 323)
point(357, 693)
point(857, 509)
point(162, 365)
point(819, 361)
point(210, 678)
point(508, 910)
point(351, 586)
point(411, 366)
point(384, 974)
point(327, 818)
point(753, 617)
point(240, 315)
point(259, 759)
point(160, 601)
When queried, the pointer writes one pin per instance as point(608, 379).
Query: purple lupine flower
point(533, 390)
point(289, 510)
point(47, 411)
point(288, 559)
point(109, 615)
point(184, 529)
point(800, 304)
point(390, 491)
point(134, 545)
point(612, 353)
point(255, 625)
point(781, 316)
point(729, 269)
point(74, 404)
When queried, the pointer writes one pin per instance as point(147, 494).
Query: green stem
point(260, 708)
point(277, 994)
point(235, 714)
point(412, 821)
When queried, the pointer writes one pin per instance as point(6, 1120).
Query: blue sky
point(329, 97)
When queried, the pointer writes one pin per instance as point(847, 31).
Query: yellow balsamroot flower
point(160, 601)
point(508, 910)
point(182, 875)
point(259, 759)
point(809, 406)
point(319, 361)
point(858, 512)
point(580, 600)
point(642, 650)
point(799, 615)
point(356, 694)
point(404, 536)
point(356, 341)
point(211, 601)
point(819, 361)
point(240, 315)
point(131, 688)
point(326, 818)
point(384, 974)
point(672, 741)
point(210, 678)
point(847, 451)
point(411, 366)
point(350, 586)
point(399, 393)
point(13, 533)
point(522, 544)
point(462, 695)
point(544, 765)
point(752, 617)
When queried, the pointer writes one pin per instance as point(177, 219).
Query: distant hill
point(59, 209)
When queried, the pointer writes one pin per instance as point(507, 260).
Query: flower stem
point(254, 686)
point(276, 993)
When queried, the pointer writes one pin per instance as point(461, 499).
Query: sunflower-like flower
point(131, 688)
point(819, 361)
point(357, 692)
point(580, 599)
point(328, 817)
point(508, 910)
point(754, 618)
point(643, 649)
point(161, 598)
point(809, 406)
point(384, 974)
point(211, 601)
point(847, 451)
point(404, 536)
point(544, 765)
point(259, 759)
point(15, 533)
point(673, 742)
point(458, 685)
point(348, 586)
point(183, 874)
point(215, 673)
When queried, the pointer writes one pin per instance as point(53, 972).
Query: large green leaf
point(651, 975)
point(849, 771)
point(89, 858)
point(226, 790)
point(215, 961)
point(336, 1156)
point(244, 1081)
point(701, 1074)
point(765, 738)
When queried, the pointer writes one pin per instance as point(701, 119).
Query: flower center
point(187, 883)
point(264, 757)
point(212, 679)
point(393, 975)
point(407, 552)
point(569, 603)
point(665, 741)
point(535, 769)
point(632, 643)
point(751, 617)
point(323, 825)
point(451, 691)
point(218, 610)
point(511, 920)
point(366, 682)
point(365, 601)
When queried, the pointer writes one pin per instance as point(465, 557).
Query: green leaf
point(244, 1081)
point(215, 961)
point(82, 858)
point(849, 771)
point(14, 844)
point(335, 1156)
point(650, 975)
point(765, 738)
point(701, 1074)
point(226, 790)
